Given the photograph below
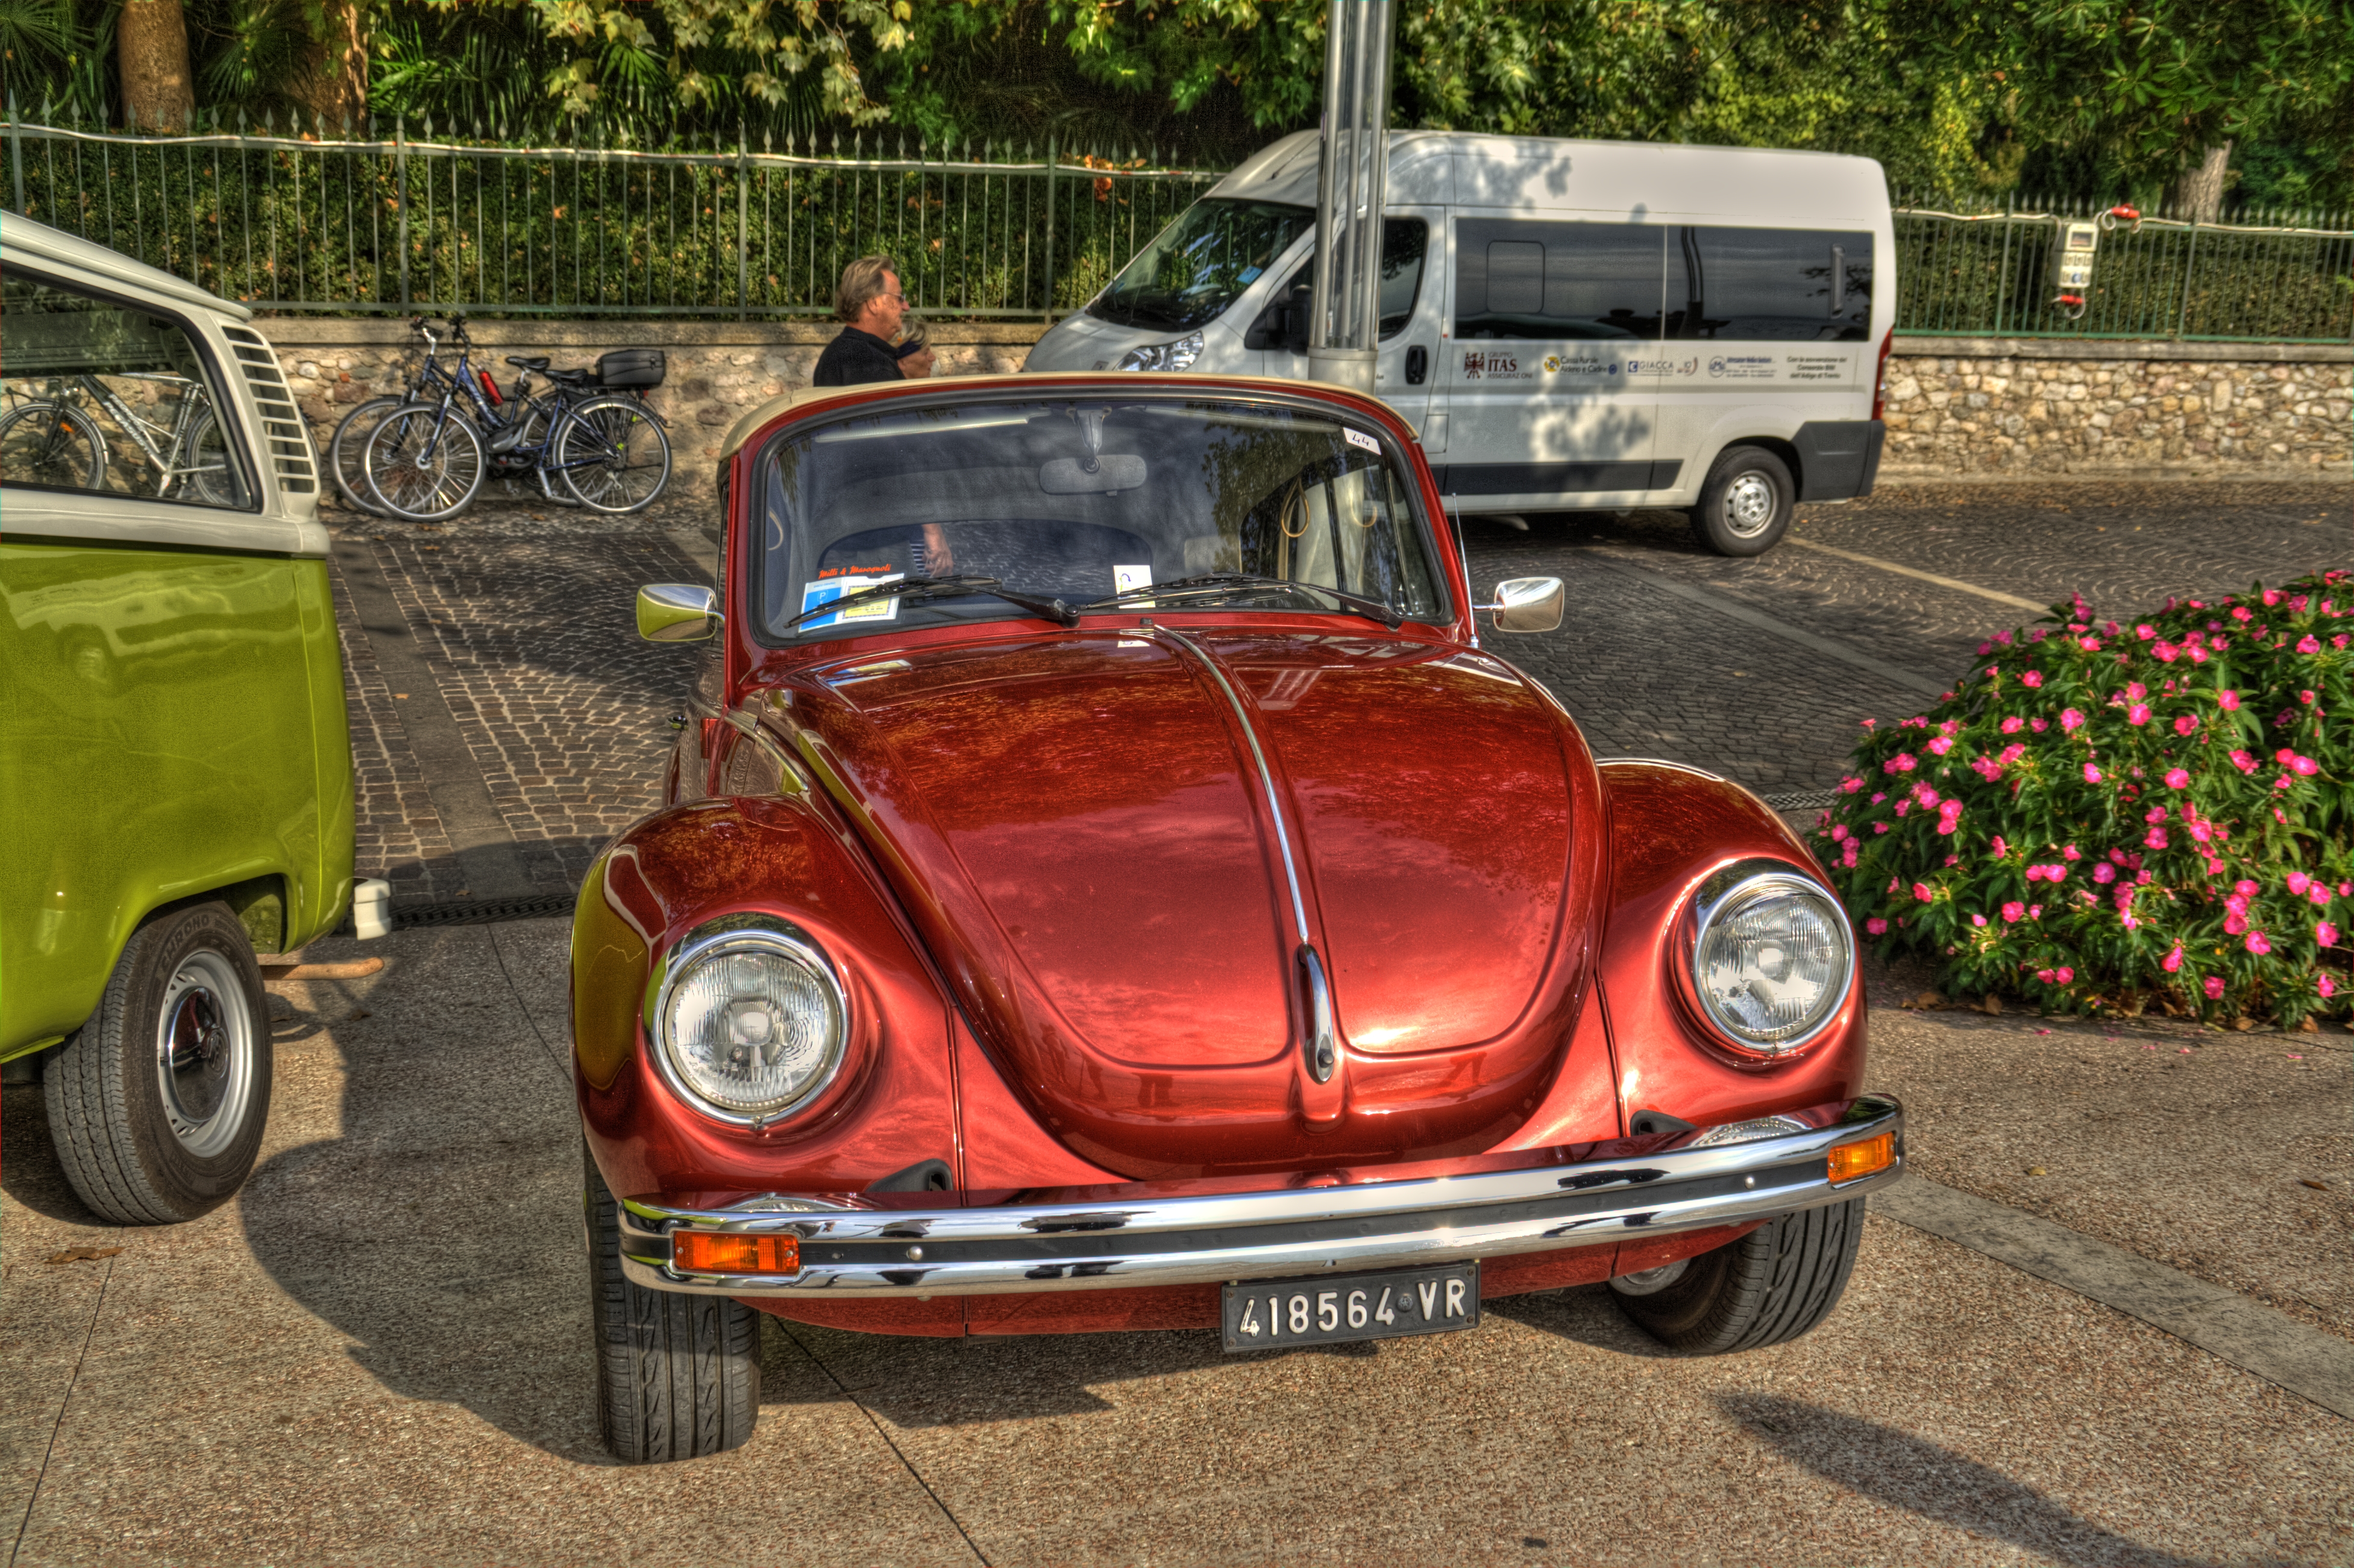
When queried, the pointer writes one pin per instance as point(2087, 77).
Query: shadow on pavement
point(1882, 1463)
point(432, 1216)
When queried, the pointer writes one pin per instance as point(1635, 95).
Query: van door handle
point(1417, 365)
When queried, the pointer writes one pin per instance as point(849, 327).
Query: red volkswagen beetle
point(1104, 882)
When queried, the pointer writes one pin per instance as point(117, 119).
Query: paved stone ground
point(522, 615)
point(379, 1353)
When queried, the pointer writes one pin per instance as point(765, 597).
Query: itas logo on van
point(1494, 365)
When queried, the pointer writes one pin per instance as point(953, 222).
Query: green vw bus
point(176, 774)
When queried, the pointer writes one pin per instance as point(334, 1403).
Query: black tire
point(612, 454)
point(54, 444)
point(1767, 1288)
point(678, 1376)
point(211, 479)
point(348, 449)
point(157, 1104)
point(1746, 506)
point(423, 464)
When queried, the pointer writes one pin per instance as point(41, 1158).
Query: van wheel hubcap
point(203, 1054)
point(1749, 504)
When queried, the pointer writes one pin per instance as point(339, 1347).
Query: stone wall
point(716, 371)
point(1966, 407)
point(1991, 409)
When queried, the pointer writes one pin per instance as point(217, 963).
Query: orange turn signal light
point(728, 1252)
point(1850, 1161)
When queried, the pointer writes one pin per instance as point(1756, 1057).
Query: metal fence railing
point(2269, 277)
point(294, 223)
point(300, 223)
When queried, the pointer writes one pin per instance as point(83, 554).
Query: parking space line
point(73, 1381)
point(1955, 584)
point(785, 1328)
point(2309, 1362)
point(1735, 610)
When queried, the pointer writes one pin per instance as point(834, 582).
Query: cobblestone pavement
point(519, 618)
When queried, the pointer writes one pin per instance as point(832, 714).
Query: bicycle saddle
point(522, 362)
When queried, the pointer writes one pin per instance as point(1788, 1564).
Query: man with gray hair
point(869, 301)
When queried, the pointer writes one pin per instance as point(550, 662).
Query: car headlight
point(1770, 957)
point(750, 1020)
point(1177, 356)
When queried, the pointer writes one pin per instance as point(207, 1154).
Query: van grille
point(283, 431)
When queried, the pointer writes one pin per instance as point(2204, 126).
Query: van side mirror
point(1526, 604)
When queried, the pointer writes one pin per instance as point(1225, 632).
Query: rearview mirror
point(1114, 471)
point(1526, 604)
point(677, 612)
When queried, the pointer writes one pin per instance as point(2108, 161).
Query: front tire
point(52, 443)
point(157, 1104)
point(1747, 504)
point(1767, 1288)
point(612, 455)
point(424, 462)
point(678, 1376)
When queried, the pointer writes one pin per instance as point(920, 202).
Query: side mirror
point(1526, 604)
point(677, 612)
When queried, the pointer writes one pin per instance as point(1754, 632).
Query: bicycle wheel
point(349, 445)
point(423, 464)
point(612, 454)
point(54, 444)
point(209, 479)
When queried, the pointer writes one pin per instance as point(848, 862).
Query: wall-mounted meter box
point(2077, 243)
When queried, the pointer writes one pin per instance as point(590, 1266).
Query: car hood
point(1081, 826)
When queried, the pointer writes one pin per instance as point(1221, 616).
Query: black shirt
point(856, 357)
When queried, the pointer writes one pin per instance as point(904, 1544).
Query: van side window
point(100, 396)
point(1553, 281)
point(1779, 285)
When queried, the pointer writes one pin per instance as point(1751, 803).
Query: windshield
point(1084, 499)
point(1201, 264)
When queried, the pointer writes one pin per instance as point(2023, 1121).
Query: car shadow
point(1584, 1313)
point(1898, 1470)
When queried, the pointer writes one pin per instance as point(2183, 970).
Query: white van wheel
point(1744, 508)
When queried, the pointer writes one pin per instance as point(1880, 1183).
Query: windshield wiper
point(1215, 582)
point(914, 589)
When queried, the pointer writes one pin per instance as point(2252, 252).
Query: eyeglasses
point(901, 298)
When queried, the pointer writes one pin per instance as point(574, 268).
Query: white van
point(1570, 324)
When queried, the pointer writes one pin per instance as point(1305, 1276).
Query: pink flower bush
point(2087, 743)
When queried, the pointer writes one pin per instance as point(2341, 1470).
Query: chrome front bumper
point(1021, 1249)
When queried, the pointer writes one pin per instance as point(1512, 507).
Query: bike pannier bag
point(632, 367)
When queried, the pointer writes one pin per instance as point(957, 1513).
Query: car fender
point(1672, 827)
point(891, 1105)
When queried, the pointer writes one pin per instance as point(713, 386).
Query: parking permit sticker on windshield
point(1126, 577)
point(832, 589)
point(1356, 439)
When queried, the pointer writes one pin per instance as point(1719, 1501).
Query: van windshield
point(1201, 264)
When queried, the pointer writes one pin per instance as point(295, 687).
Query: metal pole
point(1352, 187)
point(743, 216)
point(15, 151)
point(2189, 265)
point(400, 187)
point(1049, 312)
point(2002, 280)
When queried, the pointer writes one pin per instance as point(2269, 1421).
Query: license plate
point(1329, 1308)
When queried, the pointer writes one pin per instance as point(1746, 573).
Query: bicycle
point(54, 441)
point(616, 460)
